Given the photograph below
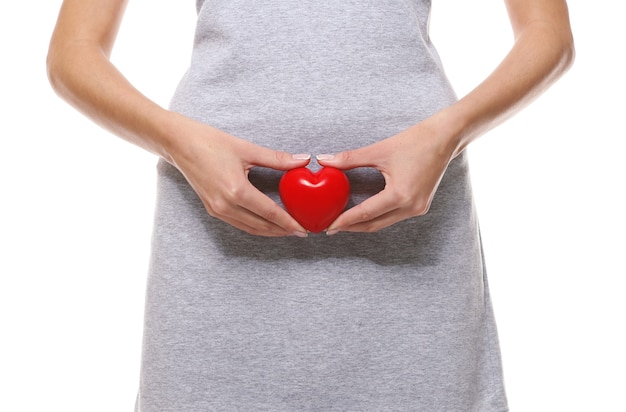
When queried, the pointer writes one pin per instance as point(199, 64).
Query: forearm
point(540, 55)
point(81, 73)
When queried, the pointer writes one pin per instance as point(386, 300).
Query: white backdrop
point(76, 213)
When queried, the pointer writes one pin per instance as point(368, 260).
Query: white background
point(76, 211)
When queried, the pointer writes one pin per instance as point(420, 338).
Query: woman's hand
point(216, 165)
point(412, 163)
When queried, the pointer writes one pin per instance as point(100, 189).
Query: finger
point(350, 159)
point(252, 223)
point(376, 207)
point(275, 159)
point(376, 224)
point(254, 228)
point(256, 208)
point(247, 208)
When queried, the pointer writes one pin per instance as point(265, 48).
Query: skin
point(412, 161)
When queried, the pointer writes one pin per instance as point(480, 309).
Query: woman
point(393, 311)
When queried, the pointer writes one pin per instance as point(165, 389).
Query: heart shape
point(314, 199)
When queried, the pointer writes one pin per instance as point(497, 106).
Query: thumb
point(279, 160)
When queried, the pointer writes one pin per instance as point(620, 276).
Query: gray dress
point(395, 320)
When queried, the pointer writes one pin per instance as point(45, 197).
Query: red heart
point(314, 199)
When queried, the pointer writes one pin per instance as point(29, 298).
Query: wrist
point(174, 136)
point(451, 129)
point(168, 135)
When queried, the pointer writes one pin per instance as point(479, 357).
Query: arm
point(80, 71)
point(542, 52)
point(414, 161)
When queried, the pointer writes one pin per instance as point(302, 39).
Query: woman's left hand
point(412, 163)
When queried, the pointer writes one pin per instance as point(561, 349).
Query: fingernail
point(325, 157)
point(332, 232)
point(301, 156)
point(300, 234)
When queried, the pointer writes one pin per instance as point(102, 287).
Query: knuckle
point(270, 214)
point(210, 210)
point(280, 156)
point(365, 215)
point(400, 198)
point(414, 206)
point(209, 207)
point(219, 207)
point(255, 231)
point(264, 229)
point(420, 208)
point(370, 227)
point(233, 192)
point(404, 200)
point(347, 156)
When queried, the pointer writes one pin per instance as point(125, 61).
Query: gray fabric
point(396, 320)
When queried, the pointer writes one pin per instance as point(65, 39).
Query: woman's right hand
point(214, 163)
point(217, 164)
